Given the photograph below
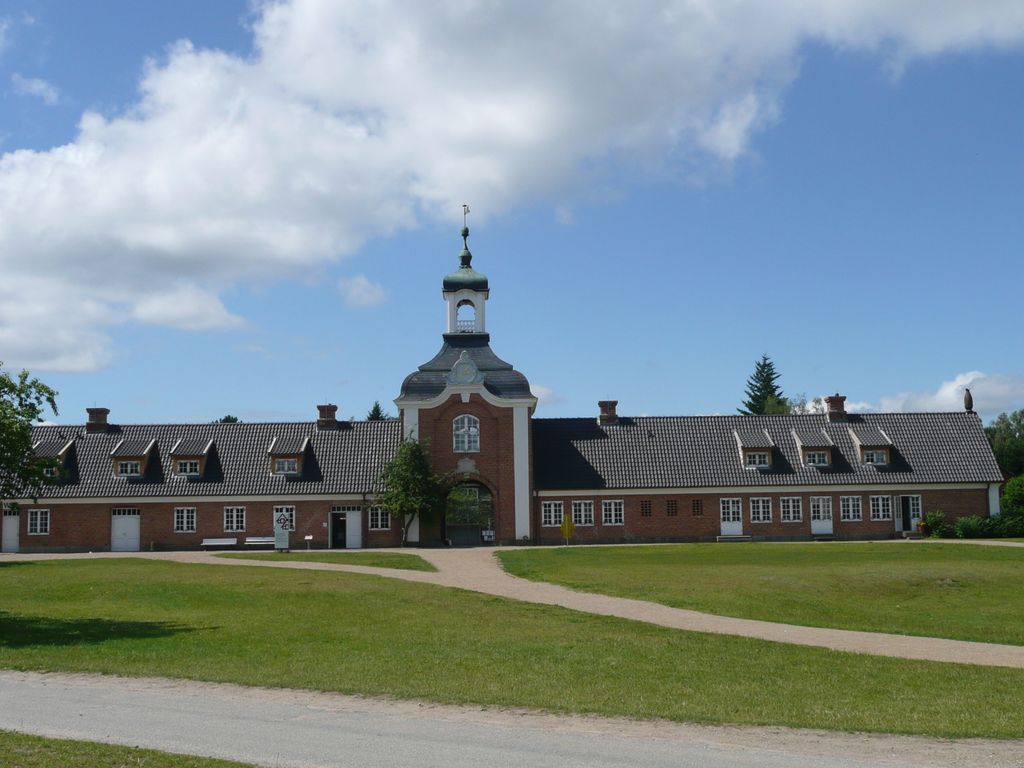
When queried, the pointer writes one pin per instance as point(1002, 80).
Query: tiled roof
point(869, 435)
point(811, 438)
point(701, 452)
point(753, 438)
point(288, 445)
point(50, 449)
point(132, 446)
point(500, 378)
point(342, 461)
point(192, 446)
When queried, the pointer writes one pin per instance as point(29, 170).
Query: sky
point(248, 208)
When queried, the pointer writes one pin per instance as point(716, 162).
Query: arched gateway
point(472, 410)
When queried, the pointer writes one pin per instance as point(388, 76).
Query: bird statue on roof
point(968, 401)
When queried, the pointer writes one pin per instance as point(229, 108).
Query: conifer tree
point(764, 395)
point(376, 413)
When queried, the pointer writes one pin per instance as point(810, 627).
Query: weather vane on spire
point(465, 213)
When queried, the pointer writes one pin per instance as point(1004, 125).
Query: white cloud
point(5, 27)
point(353, 120)
point(992, 394)
point(185, 307)
point(35, 86)
point(361, 293)
point(546, 395)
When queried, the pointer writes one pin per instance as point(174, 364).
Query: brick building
point(834, 475)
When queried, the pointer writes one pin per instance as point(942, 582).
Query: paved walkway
point(478, 570)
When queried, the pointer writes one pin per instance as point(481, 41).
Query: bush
point(935, 525)
point(1008, 526)
point(973, 527)
point(1012, 503)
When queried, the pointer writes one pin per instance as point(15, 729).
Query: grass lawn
point(368, 635)
point(960, 592)
point(363, 557)
point(20, 751)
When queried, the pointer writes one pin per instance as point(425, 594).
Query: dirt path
point(225, 720)
point(478, 570)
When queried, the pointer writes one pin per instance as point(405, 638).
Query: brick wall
point(494, 462)
point(658, 525)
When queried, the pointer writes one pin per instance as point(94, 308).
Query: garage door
point(9, 532)
point(124, 530)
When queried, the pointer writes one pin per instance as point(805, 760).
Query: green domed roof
point(465, 276)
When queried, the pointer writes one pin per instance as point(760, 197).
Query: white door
point(124, 530)
point(732, 517)
point(821, 515)
point(354, 529)
point(9, 534)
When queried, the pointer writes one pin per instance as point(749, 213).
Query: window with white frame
point(791, 509)
point(38, 522)
point(757, 458)
point(583, 512)
point(286, 466)
point(289, 514)
point(732, 510)
point(881, 508)
point(184, 519)
point(188, 467)
point(466, 434)
point(49, 471)
point(129, 468)
point(821, 507)
point(761, 509)
point(850, 509)
point(876, 457)
point(551, 513)
point(380, 519)
point(817, 458)
point(234, 519)
point(612, 513)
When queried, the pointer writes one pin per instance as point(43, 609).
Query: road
point(302, 729)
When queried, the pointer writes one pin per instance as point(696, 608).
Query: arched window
point(465, 320)
point(466, 434)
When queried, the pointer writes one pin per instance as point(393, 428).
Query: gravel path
point(478, 570)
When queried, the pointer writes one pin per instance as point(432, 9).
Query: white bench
point(259, 541)
point(219, 543)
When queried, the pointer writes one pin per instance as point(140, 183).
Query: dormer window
point(129, 468)
point(188, 467)
point(817, 458)
point(755, 459)
point(286, 466)
point(466, 434)
point(49, 472)
point(877, 457)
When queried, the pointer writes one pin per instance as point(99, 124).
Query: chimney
point(607, 415)
point(328, 418)
point(836, 408)
point(97, 420)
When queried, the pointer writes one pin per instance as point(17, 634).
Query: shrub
point(1009, 526)
point(1012, 503)
point(973, 527)
point(935, 525)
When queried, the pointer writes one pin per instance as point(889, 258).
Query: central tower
point(472, 410)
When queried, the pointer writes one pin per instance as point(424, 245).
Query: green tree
point(229, 419)
point(410, 489)
point(763, 393)
point(1006, 436)
point(22, 402)
point(1012, 503)
point(376, 413)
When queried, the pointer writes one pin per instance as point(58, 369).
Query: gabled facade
point(794, 477)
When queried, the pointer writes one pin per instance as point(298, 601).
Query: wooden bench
point(219, 543)
point(259, 541)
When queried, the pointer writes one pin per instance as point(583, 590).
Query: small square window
point(188, 467)
point(129, 468)
point(583, 513)
point(671, 508)
point(286, 466)
point(878, 458)
point(645, 508)
point(551, 514)
point(761, 509)
point(791, 509)
point(612, 513)
point(380, 519)
point(817, 459)
point(49, 471)
point(757, 458)
point(234, 519)
point(185, 520)
point(38, 522)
